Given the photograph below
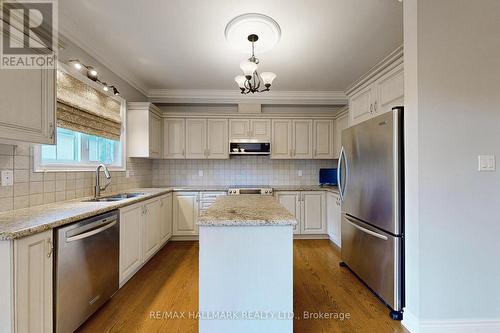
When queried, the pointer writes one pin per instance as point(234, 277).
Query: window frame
point(70, 167)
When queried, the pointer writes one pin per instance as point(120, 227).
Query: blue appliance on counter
point(328, 176)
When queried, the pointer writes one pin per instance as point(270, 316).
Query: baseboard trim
point(179, 238)
point(413, 325)
point(320, 236)
point(460, 326)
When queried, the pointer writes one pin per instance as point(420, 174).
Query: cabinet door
point(313, 213)
point(281, 143)
point(341, 124)
point(151, 229)
point(390, 89)
point(28, 105)
point(239, 129)
point(361, 105)
point(217, 139)
point(33, 260)
point(196, 135)
point(165, 218)
point(185, 213)
point(333, 216)
point(291, 201)
point(260, 129)
point(302, 139)
point(323, 139)
point(173, 138)
point(131, 224)
point(155, 136)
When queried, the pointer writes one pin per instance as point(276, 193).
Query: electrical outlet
point(486, 163)
point(299, 173)
point(200, 173)
point(7, 178)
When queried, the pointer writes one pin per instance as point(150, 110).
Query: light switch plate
point(486, 163)
point(299, 173)
point(200, 173)
point(7, 178)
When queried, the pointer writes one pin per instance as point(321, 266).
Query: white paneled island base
point(246, 266)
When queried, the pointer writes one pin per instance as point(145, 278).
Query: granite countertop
point(28, 221)
point(207, 188)
point(247, 210)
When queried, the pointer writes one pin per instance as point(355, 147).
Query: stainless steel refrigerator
point(371, 189)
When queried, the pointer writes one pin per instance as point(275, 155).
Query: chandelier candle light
point(250, 81)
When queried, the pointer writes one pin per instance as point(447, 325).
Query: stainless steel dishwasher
point(86, 269)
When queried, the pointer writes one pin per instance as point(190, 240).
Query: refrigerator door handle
point(374, 234)
point(339, 173)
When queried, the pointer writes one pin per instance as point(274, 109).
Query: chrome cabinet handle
point(371, 108)
point(375, 106)
point(52, 130)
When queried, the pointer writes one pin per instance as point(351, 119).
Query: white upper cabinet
point(174, 138)
point(28, 105)
point(377, 96)
point(206, 138)
point(239, 129)
point(144, 130)
point(390, 88)
point(323, 139)
point(281, 143)
point(250, 129)
point(217, 139)
point(361, 104)
point(341, 123)
point(302, 139)
point(260, 130)
point(196, 136)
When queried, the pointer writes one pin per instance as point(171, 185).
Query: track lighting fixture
point(92, 74)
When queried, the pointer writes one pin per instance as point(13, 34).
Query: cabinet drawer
point(211, 195)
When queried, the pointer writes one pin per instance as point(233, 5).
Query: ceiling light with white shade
point(263, 33)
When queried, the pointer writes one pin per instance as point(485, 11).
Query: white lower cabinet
point(33, 262)
point(308, 207)
point(313, 213)
point(151, 228)
point(185, 213)
point(165, 218)
point(143, 231)
point(291, 201)
point(333, 217)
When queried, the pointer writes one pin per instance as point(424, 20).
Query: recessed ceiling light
point(242, 26)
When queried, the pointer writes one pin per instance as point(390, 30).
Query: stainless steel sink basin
point(116, 197)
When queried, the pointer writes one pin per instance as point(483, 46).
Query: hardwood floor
point(169, 284)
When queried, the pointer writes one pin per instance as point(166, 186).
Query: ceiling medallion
point(263, 33)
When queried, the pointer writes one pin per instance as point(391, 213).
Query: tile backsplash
point(239, 170)
point(38, 188)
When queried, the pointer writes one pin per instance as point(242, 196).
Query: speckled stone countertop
point(25, 222)
point(246, 210)
point(334, 189)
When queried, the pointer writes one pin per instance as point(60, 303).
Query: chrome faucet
point(98, 187)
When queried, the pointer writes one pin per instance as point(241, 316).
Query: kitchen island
point(246, 266)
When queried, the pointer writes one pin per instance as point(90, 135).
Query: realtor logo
point(28, 34)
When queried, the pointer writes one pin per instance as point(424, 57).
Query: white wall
point(453, 103)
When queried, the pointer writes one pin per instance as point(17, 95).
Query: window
point(79, 151)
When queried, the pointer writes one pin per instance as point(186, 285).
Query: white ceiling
point(179, 44)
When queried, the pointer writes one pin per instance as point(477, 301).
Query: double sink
point(116, 197)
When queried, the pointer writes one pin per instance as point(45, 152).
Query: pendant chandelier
point(251, 81)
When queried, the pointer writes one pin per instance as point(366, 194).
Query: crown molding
point(395, 58)
point(194, 96)
point(117, 70)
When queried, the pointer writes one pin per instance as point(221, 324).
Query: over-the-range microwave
point(249, 148)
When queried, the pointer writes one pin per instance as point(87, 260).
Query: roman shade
point(84, 109)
